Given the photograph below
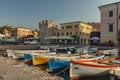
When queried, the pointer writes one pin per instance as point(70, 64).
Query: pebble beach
point(16, 70)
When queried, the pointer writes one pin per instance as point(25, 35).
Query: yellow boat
point(39, 59)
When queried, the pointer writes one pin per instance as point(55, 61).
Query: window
point(76, 26)
point(58, 34)
point(76, 33)
point(68, 27)
point(110, 13)
point(70, 33)
point(67, 33)
point(62, 27)
point(80, 33)
point(62, 34)
point(83, 33)
point(110, 27)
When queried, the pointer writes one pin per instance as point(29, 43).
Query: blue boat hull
point(55, 64)
point(28, 59)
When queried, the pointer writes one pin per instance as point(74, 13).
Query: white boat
point(48, 47)
point(31, 51)
point(86, 49)
point(10, 52)
point(17, 56)
point(110, 51)
point(87, 68)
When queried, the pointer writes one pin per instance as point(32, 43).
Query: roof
point(109, 4)
point(21, 27)
point(94, 24)
point(61, 37)
point(73, 22)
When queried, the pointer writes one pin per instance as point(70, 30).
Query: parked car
point(45, 42)
point(26, 42)
point(34, 42)
point(9, 41)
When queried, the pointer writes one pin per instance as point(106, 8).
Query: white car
point(26, 42)
point(34, 42)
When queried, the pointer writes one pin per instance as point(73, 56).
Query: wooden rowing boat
point(39, 59)
point(60, 62)
point(28, 58)
point(86, 68)
point(17, 56)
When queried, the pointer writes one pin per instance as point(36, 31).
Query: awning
point(51, 37)
point(65, 37)
point(61, 37)
point(1, 35)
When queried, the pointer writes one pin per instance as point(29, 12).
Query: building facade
point(110, 22)
point(78, 30)
point(19, 32)
point(46, 28)
point(95, 30)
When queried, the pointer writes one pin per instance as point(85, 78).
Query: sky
point(28, 13)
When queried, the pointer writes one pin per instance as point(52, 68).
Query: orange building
point(19, 32)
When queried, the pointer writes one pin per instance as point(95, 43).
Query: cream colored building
point(19, 32)
point(110, 22)
point(46, 28)
point(79, 30)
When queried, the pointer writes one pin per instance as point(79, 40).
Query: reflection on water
point(42, 67)
point(66, 75)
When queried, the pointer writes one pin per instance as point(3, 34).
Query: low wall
point(19, 47)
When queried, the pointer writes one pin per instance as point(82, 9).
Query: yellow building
point(19, 32)
point(78, 30)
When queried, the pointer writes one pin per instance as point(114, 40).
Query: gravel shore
point(16, 70)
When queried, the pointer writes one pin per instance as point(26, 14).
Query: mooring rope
point(63, 70)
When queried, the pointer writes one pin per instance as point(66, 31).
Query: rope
point(62, 71)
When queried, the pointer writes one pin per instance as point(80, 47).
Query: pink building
point(110, 22)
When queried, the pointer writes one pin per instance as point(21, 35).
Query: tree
point(5, 27)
